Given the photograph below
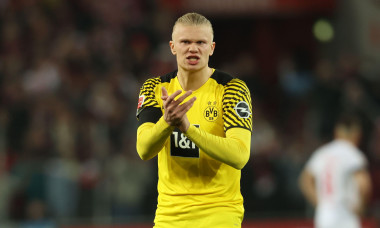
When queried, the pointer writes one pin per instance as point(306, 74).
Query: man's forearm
point(363, 181)
point(151, 138)
point(233, 150)
point(307, 185)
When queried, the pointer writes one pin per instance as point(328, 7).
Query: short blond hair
point(193, 19)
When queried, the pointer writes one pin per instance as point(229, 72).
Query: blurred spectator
point(325, 100)
point(43, 79)
point(125, 178)
point(62, 190)
point(7, 187)
point(36, 216)
point(295, 74)
point(374, 161)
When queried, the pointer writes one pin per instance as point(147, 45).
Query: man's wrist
point(184, 127)
point(164, 125)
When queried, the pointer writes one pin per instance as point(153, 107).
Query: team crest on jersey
point(211, 113)
point(141, 101)
point(242, 109)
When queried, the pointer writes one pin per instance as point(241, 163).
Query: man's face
point(192, 45)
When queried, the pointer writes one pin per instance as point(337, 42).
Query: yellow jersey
point(191, 184)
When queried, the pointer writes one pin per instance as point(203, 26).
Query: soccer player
point(335, 180)
point(198, 121)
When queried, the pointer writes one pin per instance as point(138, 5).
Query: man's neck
point(193, 80)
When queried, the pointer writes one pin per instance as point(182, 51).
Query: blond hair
point(193, 19)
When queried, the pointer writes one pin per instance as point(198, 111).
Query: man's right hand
point(175, 112)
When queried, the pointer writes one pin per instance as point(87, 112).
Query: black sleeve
point(149, 114)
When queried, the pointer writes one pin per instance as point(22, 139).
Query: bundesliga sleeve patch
point(141, 102)
point(242, 109)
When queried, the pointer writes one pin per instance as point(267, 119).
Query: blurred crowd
point(70, 73)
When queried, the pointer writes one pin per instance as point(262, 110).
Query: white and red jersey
point(333, 166)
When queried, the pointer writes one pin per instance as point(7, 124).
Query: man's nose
point(193, 47)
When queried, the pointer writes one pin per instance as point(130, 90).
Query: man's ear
point(171, 44)
point(212, 48)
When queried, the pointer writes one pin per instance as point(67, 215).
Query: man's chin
point(193, 68)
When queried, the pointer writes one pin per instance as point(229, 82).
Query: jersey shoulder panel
point(221, 77)
point(237, 105)
point(168, 77)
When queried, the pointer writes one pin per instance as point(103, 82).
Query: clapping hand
point(175, 112)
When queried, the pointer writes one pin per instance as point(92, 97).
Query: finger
point(164, 91)
point(177, 112)
point(168, 99)
point(183, 97)
point(164, 95)
point(182, 109)
point(174, 95)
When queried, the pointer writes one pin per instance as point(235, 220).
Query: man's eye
point(201, 42)
point(185, 41)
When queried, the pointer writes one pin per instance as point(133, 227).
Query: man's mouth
point(193, 59)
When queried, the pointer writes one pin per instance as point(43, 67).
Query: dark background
point(70, 73)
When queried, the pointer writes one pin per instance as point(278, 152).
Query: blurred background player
point(335, 180)
point(202, 137)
